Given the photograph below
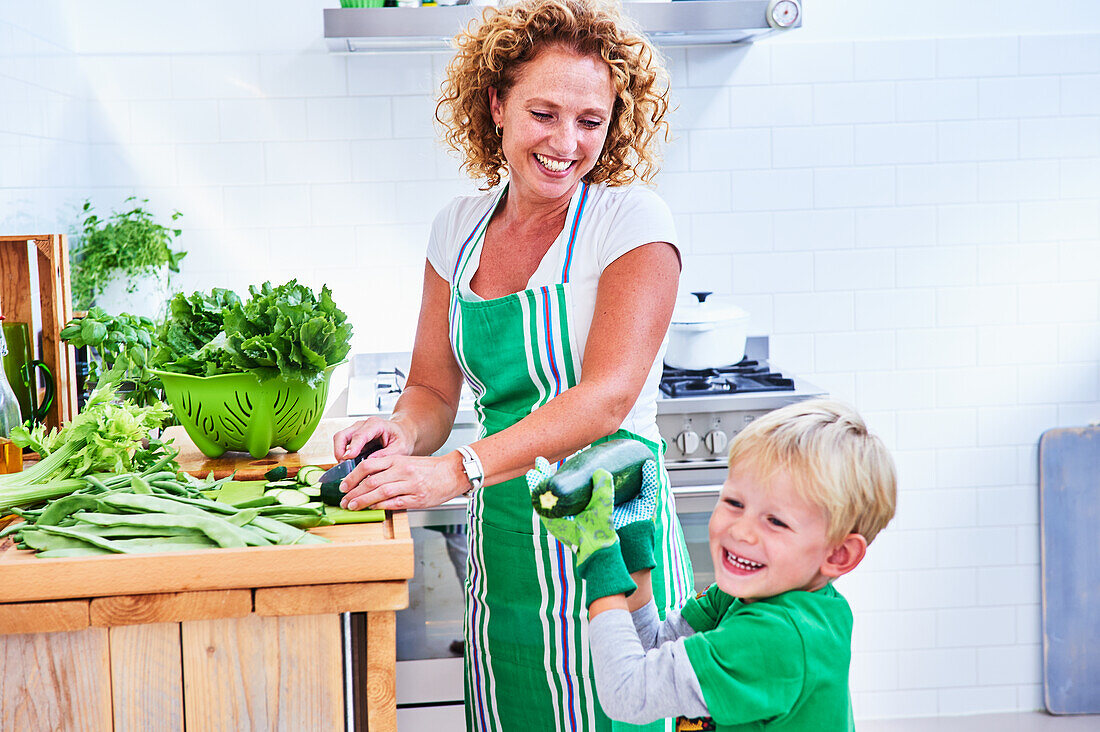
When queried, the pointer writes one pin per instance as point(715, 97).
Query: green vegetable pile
point(107, 437)
point(279, 330)
point(155, 511)
point(192, 339)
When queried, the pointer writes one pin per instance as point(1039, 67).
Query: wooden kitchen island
point(233, 639)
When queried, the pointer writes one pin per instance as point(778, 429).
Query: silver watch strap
point(471, 465)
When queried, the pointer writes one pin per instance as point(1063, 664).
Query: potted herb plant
point(123, 262)
point(122, 344)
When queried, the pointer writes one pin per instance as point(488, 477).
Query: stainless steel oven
point(698, 414)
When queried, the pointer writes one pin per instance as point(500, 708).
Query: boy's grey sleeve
point(639, 686)
point(652, 632)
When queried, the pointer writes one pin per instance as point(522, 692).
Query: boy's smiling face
point(765, 539)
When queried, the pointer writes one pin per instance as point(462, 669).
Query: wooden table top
point(318, 451)
point(357, 553)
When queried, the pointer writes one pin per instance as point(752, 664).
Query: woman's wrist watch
point(471, 465)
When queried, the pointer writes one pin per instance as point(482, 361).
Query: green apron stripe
point(474, 662)
point(565, 627)
point(547, 597)
point(480, 671)
point(571, 369)
point(548, 341)
point(576, 706)
point(462, 250)
point(535, 369)
point(573, 232)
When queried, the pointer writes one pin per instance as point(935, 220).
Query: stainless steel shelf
point(678, 23)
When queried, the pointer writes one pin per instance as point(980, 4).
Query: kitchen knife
point(330, 479)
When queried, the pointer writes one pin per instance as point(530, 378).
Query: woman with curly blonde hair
point(550, 295)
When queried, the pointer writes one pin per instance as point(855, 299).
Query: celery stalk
point(26, 495)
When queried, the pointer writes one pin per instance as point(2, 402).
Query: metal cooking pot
point(706, 334)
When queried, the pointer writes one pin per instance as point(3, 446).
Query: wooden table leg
point(270, 673)
point(55, 681)
point(381, 687)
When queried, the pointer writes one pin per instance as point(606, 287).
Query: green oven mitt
point(591, 535)
point(634, 522)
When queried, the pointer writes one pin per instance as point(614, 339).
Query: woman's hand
point(348, 442)
point(400, 482)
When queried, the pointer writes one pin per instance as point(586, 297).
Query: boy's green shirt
point(774, 664)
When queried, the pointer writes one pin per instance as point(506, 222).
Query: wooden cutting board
point(1069, 504)
point(318, 451)
point(356, 553)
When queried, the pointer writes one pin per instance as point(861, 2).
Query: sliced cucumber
point(276, 473)
point(292, 497)
point(313, 491)
point(310, 474)
point(330, 493)
point(287, 483)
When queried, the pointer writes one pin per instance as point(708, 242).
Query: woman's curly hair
point(492, 52)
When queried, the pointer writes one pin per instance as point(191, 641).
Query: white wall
point(906, 199)
point(43, 112)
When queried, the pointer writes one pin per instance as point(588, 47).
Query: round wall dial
point(783, 13)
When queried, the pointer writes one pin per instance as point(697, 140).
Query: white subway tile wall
point(914, 221)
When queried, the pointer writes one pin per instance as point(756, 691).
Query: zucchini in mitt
point(568, 491)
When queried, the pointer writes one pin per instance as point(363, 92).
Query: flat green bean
point(153, 504)
point(243, 517)
point(138, 485)
point(206, 503)
point(61, 508)
point(222, 532)
point(287, 534)
point(96, 482)
point(78, 534)
point(83, 551)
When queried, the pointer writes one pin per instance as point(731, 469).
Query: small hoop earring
point(500, 132)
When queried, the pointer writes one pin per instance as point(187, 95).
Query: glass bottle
point(11, 455)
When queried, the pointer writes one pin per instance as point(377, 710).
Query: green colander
point(240, 412)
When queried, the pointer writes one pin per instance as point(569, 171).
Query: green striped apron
point(527, 661)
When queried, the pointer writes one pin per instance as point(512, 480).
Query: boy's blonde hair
point(833, 460)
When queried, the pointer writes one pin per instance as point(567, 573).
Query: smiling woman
point(551, 296)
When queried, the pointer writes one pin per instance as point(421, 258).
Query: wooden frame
point(45, 305)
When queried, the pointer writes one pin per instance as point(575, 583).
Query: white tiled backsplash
point(913, 218)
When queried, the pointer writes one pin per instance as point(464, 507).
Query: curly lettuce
point(283, 330)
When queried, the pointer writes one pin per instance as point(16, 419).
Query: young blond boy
point(768, 645)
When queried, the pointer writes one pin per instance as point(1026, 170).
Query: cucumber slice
point(310, 474)
point(316, 505)
point(289, 483)
point(330, 493)
point(292, 497)
point(313, 491)
point(276, 473)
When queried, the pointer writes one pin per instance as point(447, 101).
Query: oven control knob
point(687, 441)
point(716, 442)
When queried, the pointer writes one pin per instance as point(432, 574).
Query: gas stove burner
point(747, 375)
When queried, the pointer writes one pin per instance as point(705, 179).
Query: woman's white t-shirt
point(614, 221)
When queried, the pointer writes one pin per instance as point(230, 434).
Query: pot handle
point(702, 296)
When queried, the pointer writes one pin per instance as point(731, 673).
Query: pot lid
point(706, 309)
